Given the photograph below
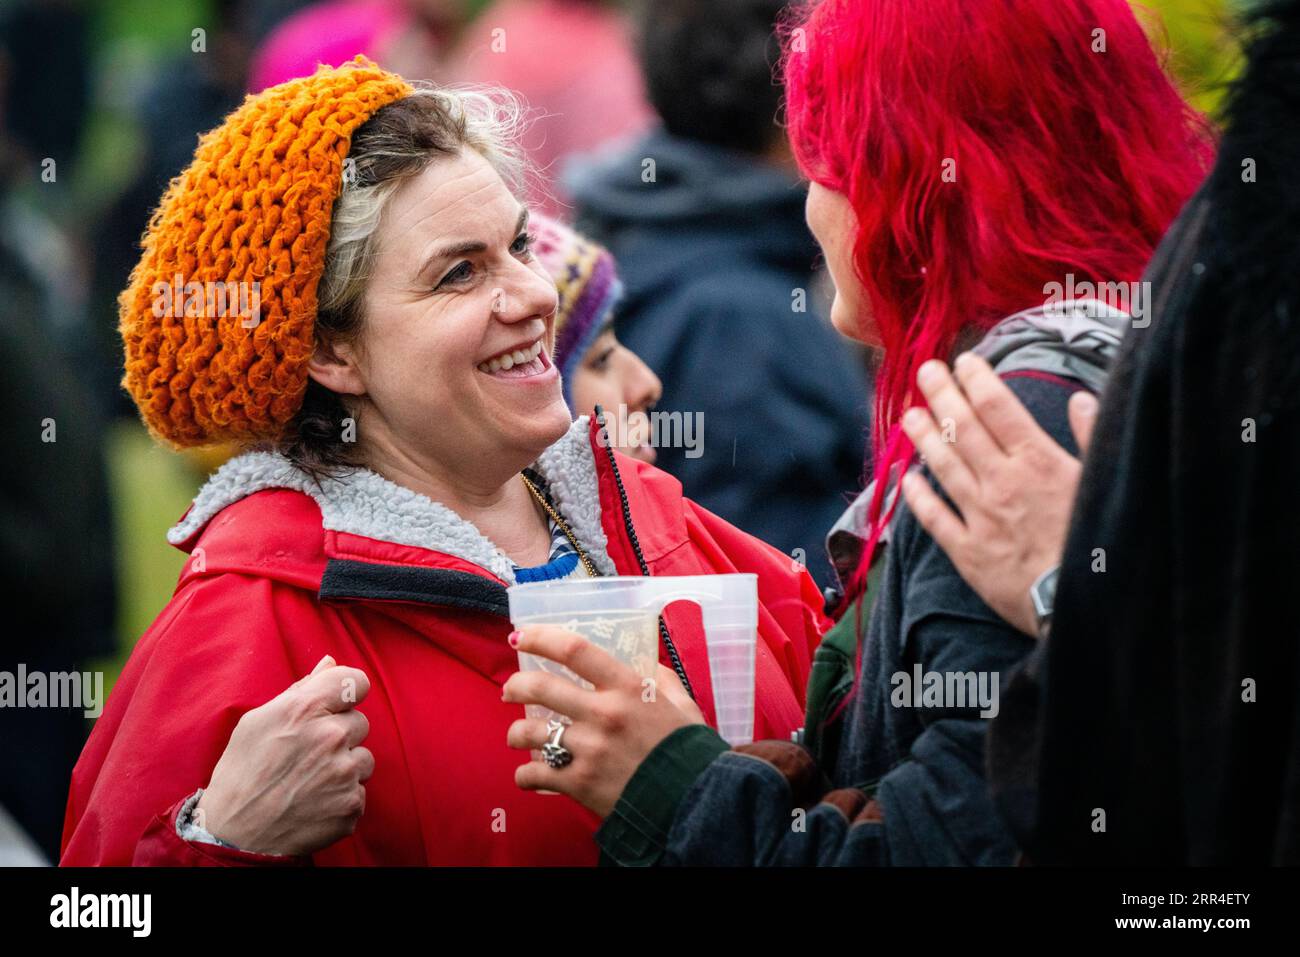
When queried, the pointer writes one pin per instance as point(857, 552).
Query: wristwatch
point(1043, 595)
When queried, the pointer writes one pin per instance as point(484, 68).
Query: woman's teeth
point(509, 360)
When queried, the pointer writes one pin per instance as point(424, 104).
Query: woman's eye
point(465, 271)
point(599, 363)
point(462, 272)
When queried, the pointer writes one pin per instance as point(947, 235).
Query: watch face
point(1043, 593)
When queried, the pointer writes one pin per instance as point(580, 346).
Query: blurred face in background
point(614, 377)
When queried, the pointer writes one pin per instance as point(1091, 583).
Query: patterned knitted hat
point(218, 319)
point(589, 288)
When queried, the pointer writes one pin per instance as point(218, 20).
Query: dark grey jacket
point(908, 786)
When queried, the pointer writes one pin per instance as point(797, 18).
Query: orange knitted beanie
point(218, 318)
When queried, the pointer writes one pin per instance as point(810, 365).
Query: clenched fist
point(292, 778)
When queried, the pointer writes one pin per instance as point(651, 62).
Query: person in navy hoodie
point(705, 215)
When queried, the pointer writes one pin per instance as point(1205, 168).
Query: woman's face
point(614, 377)
point(834, 224)
point(453, 364)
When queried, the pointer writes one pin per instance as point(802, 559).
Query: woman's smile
point(528, 361)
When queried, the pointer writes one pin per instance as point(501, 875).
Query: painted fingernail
point(928, 372)
point(514, 639)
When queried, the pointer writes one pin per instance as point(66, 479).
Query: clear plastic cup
point(621, 615)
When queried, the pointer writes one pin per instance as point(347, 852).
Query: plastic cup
point(631, 636)
point(620, 614)
point(731, 667)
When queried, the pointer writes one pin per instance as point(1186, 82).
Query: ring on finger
point(554, 753)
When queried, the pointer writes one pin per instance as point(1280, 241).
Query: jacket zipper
point(636, 548)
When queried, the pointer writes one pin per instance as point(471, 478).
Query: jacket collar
point(364, 503)
point(1075, 338)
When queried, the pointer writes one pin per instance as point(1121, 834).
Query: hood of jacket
point(1074, 339)
point(692, 183)
point(361, 512)
point(705, 208)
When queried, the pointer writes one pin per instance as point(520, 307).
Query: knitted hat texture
point(587, 281)
point(218, 319)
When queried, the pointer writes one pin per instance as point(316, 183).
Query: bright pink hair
point(1065, 160)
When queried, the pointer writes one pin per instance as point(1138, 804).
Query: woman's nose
point(523, 294)
point(643, 387)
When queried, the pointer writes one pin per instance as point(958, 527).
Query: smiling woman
point(450, 298)
point(453, 244)
point(408, 455)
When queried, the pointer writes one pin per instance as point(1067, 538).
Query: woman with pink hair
point(985, 174)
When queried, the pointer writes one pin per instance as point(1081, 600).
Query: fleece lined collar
point(365, 503)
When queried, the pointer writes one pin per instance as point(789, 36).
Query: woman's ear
point(336, 368)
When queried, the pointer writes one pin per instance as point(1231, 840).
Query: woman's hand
point(613, 726)
point(291, 780)
point(1013, 485)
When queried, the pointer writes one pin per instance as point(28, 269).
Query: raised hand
point(1013, 485)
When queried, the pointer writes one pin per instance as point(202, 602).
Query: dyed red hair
point(1063, 160)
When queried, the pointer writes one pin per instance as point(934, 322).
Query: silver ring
point(554, 753)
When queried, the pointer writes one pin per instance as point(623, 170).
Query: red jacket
point(278, 578)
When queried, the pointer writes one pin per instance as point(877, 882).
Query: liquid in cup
point(630, 636)
point(621, 615)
